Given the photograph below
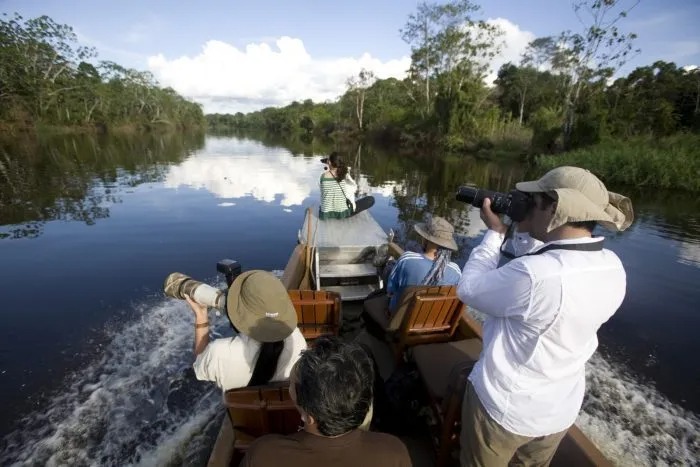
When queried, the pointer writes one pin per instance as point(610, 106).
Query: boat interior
point(433, 334)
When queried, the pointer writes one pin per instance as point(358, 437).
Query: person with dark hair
point(337, 189)
point(331, 385)
point(267, 341)
point(543, 310)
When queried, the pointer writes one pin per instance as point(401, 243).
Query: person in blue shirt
point(432, 267)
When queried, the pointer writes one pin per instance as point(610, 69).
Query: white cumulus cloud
point(227, 79)
point(514, 41)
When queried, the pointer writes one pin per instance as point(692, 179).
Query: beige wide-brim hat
point(438, 231)
point(581, 196)
point(259, 306)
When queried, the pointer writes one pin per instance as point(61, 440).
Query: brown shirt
point(357, 448)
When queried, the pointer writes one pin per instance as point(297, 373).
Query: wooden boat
point(305, 269)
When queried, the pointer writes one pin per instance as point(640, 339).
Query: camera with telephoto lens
point(514, 204)
point(177, 285)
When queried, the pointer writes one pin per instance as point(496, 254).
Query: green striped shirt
point(333, 198)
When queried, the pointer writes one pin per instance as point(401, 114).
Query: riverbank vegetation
point(560, 96)
point(49, 81)
point(672, 162)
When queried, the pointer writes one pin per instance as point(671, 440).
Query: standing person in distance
point(543, 310)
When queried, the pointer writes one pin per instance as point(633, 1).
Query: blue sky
point(212, 50)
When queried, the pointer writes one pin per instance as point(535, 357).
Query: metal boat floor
point(360, 230)
point(348, 270)
point(350, 293)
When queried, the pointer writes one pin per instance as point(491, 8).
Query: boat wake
point(139, 404)
point(634, 424)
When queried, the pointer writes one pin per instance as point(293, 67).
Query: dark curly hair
point(333, 383)
point(341, 168)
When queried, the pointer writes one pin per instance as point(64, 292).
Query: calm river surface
point(95, 362)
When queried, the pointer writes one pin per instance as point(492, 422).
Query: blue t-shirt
point(411, 269)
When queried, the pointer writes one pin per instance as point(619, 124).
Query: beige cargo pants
point(484, 443)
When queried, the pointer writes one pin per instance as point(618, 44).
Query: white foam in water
point(179, 437)
point(132, 406)
point(633, 424)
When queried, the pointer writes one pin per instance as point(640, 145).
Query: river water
point(95, 362)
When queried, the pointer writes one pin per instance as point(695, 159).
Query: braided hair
point(437, 270)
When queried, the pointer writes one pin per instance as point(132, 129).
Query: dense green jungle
point(563, 102)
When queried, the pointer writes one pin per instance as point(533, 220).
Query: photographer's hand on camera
point(201, 325)
point(491, 219)
point(199, 310)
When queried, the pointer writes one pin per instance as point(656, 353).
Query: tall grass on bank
point(672, 162)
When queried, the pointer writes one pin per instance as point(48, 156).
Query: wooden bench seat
point(444, 369)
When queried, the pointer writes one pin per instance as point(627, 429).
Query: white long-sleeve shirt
point(230, 361)
point(542, 314)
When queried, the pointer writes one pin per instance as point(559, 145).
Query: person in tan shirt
point(331, 385)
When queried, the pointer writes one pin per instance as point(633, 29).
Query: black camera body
point(230, 269)
point(515, 204)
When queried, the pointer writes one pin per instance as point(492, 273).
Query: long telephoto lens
point(475, 196)
point(515, 204)
point(177, 285)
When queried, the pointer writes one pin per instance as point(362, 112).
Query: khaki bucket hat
point(581, 196)
point(259, 306)
point(438, 231)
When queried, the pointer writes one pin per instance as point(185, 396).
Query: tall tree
point(357, 86)
point(595, 53)
point(419, 31)
point(516, 85)
point(448, 43)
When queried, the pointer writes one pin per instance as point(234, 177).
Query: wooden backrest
point(432, 315)
point(295, 269)
point(319, 312)
point(259, 410)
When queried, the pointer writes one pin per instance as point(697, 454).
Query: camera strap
point(348, 203)
point(588, 246)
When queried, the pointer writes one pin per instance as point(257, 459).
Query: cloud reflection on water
point(261, 176)
point(689, 253)
point(264, 175)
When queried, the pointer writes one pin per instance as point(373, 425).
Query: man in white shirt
point(542, 310)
